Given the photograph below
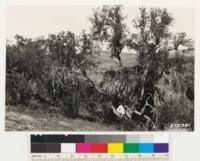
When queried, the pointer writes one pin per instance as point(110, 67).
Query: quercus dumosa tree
point(181, 46)
point(108, 26)
point(152, 45)
point(71, 59)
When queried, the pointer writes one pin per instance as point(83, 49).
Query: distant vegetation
point(72, 75)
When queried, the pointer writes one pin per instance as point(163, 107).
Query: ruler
point(99, 157)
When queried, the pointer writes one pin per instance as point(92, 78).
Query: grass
point(30, 120)
point(105, 62)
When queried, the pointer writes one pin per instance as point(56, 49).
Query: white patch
point(121, 110)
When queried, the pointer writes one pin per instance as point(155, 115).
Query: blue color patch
point(146, 148)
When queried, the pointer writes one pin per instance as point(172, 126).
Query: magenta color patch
point(83, 148)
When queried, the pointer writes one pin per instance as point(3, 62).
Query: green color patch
point(130, 148)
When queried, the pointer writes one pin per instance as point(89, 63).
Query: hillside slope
point(32, 121)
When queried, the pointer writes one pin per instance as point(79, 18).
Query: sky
point(40, 20)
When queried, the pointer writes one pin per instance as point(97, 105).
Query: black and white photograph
point(99, 68)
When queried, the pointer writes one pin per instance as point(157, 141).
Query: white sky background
point(40, 20)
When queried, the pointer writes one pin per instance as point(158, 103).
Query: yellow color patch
point(115, 148)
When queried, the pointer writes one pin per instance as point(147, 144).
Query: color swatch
point(97, 144)
point(115, 148)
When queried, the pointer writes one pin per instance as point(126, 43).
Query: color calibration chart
point(100, 148)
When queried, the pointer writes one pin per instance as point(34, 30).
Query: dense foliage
point(53, 73)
